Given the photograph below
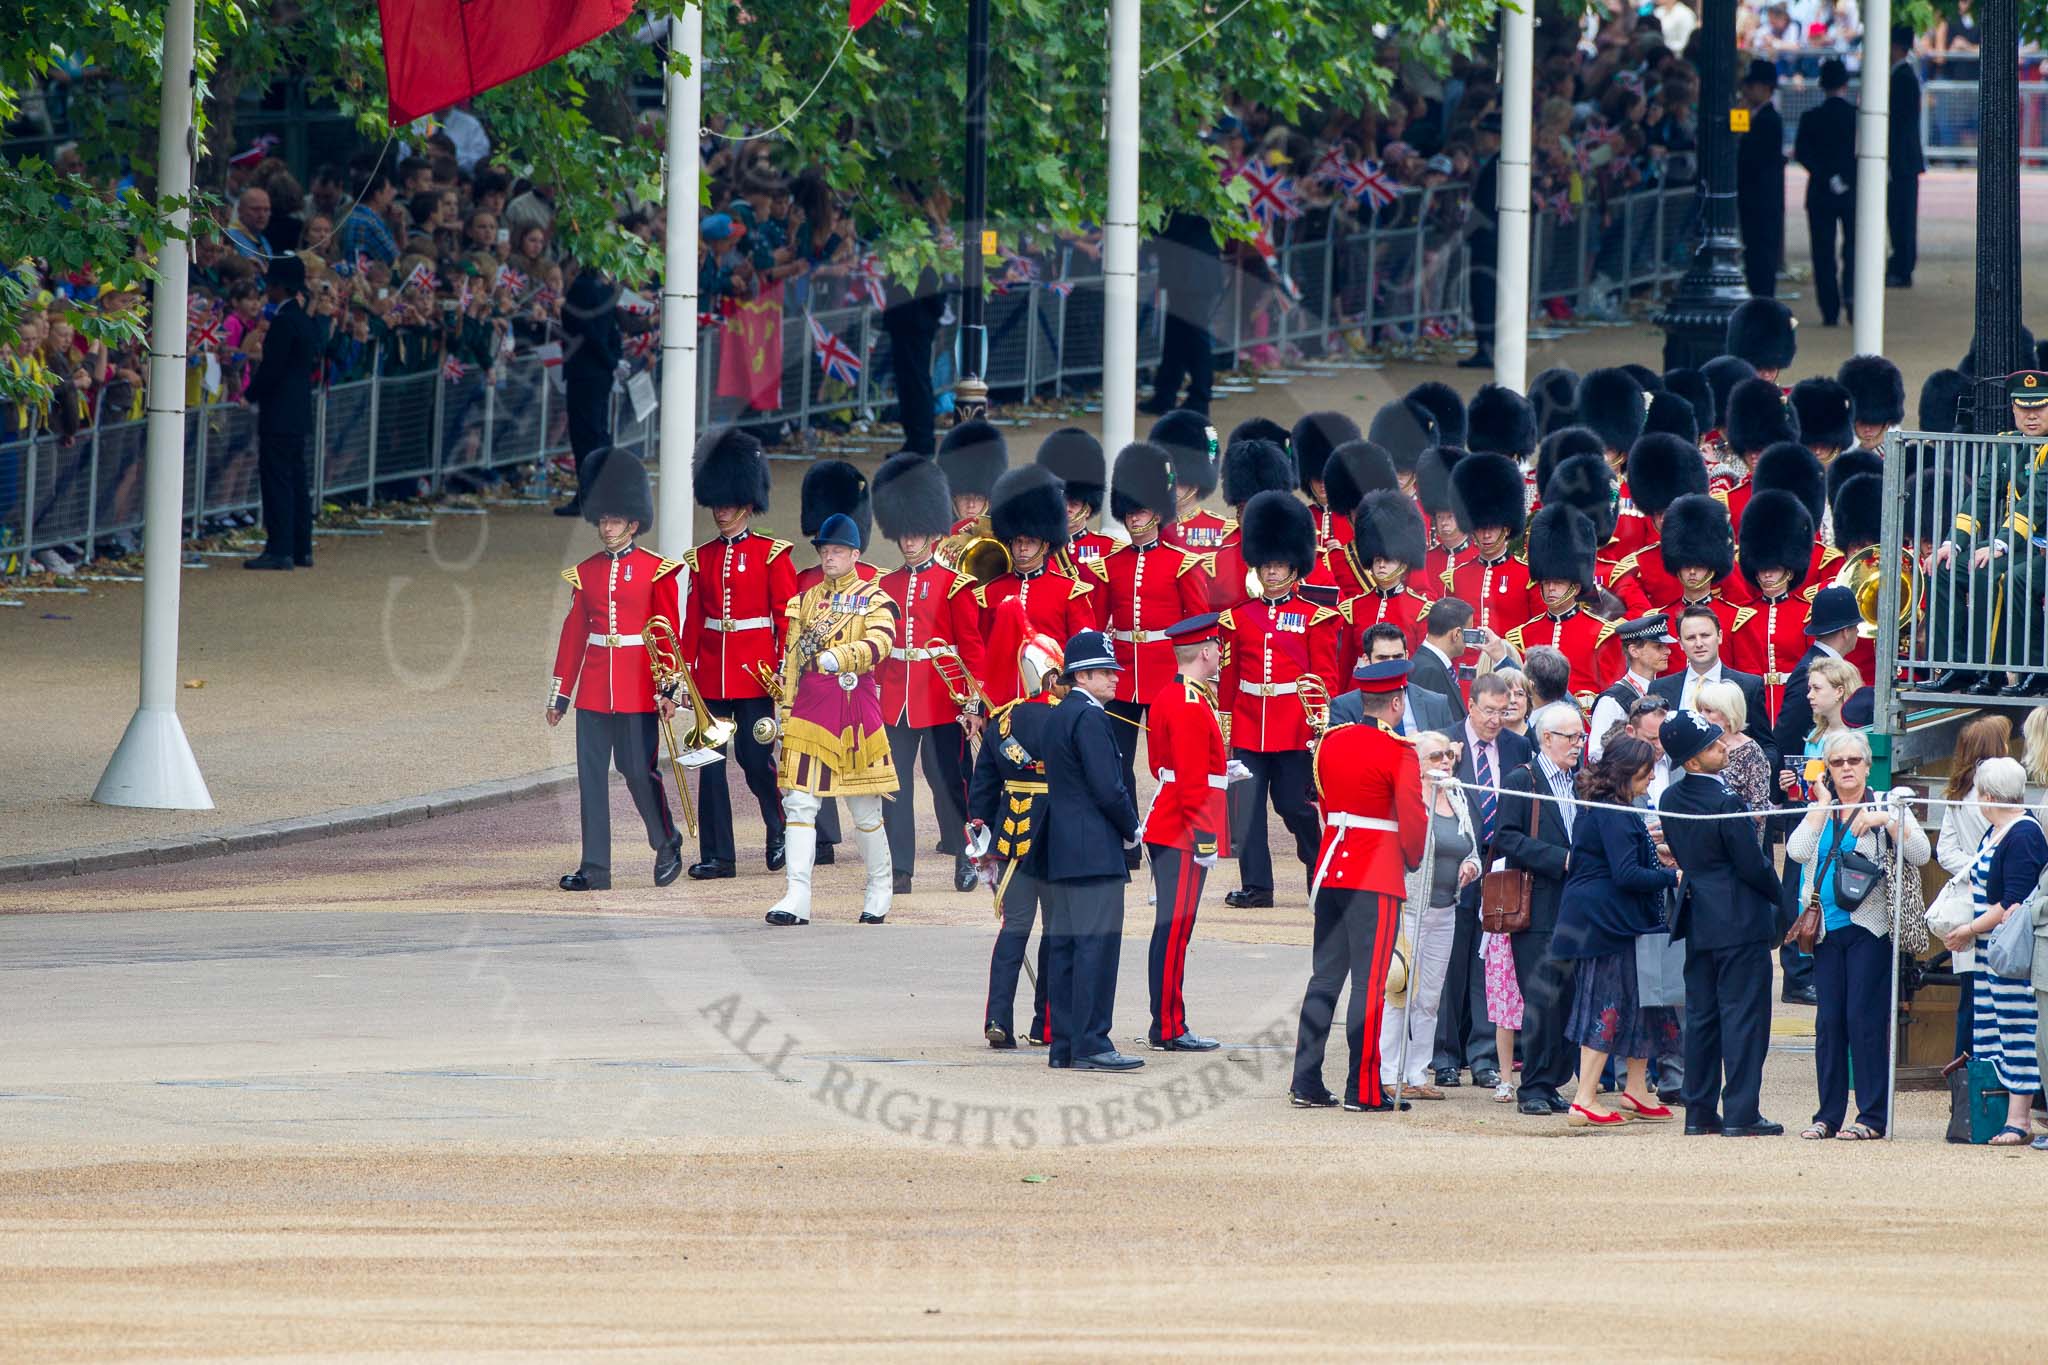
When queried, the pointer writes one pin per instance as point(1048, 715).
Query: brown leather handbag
point(1805, 931)
point(1504, 895)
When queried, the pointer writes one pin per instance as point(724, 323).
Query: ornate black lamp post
point(1998, 216)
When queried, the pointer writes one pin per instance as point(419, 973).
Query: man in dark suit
point(1536, 837)
point(1424, 711)
point(1090, 820)
point(1699, 635)
point(1727, 914)
point(912, 322)
point(1760, 181)
point(1826, 146)
point(1463, 1036)
point(1482, 240)
point(1191, 273)
point(1908, 160)
point(591, 350)
point(282, 390)
point(1436, 658)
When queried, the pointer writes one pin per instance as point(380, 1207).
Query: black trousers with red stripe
point(1177, 882)
point(1023, 903)
point(1354, 937)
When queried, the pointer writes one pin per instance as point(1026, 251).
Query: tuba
point(975, 552)
point(1863, 577)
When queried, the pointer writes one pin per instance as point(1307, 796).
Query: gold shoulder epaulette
point(690, 558)
point(1225, 620)
point(665, 568)
point(1080, 589)
point(960, 580)
point(572, 577)
point(1607, 629)
point(980, 596)
point(1627, 562)
point(1742, 614)
point(1229, 525)
point(1808, 595)
point(1829, 555)
point(1188, 560)
point(1323, 614)
point(1719, 495)
point(776, 547)
point(1209, 563)
point(1450, 570)
point(1095, 566)
point(1514, 639)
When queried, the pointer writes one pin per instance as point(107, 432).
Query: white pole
point(1511, 298)
point(1873, 161)
point(1120, 237)
point(153, 765)
point(673, 517)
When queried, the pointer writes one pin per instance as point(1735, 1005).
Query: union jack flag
point(422, 277)
point(1368, 181)
point(203, 333)
point(1064, 288)
point(1273, 199)
point(545, 296)
point(359, 266)
point(1560, 205)
point(453, 369)
point(511, 279)
point(1330, 167)
point(641, 344)
point(866, 281)
point(1436, 328)
point(835, 358)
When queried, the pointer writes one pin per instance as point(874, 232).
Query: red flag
point(750, 352)
point(439, 51)
point(858, 12)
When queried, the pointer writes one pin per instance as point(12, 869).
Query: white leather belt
point(1137, 637)
point(918, 655)
point(1346, 820)
point(1268, 689)
point(726, 625)
point(615, 641)
point(1217, 780)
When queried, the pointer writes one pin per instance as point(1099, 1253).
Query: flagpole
point(153, 766)
point(1873, 162)
point(1120, 237)
point(1511, 308)
point(679, 281)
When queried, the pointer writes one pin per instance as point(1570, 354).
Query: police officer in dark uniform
point(282, 390)
point(1907, 162)
point(1760, 181)
point(1826, 146)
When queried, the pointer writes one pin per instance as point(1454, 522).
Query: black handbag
point(1855, 878)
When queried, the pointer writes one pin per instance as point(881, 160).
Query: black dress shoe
point(302, 561)
point(1486, 1080)
point(580, 881)
point(782, 919)
point(1534, 1108)
point(277, 562)
point(1761, 1128)
point(1187, 1042)
point(866, 918)
point(1951, 680)
point(776, 855)
point(1058, 1065)
point(965, 878)
point(1385, 1106)
point(1481, 359)
point(2032, 685)
point(1111, 1060)
point(1447, 1077)
point(1704, 1128)
point(1801, 995)
point(1157, 407)
point(711, 870)
point(899, 883)
point(572, 508)
point(1987, 685)
point(1318, 1099)
point(668, 865)
point(999, 1037)
point(1558, 1104)
point(825, 856)
point(1248, 900)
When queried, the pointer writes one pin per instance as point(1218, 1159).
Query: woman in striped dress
point(2009, 862)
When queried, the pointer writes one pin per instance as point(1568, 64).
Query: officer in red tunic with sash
point(1374, 831)
point(1028, 514)
point(740, 580)
point(1770, 633)
point(938, 615)
point(1184, 828)
point(1075, 456)
point(1387, 542)
point(601, 661)
point(1561, 554)
point(1197, 466)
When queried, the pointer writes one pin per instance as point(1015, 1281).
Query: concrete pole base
point(153, 767)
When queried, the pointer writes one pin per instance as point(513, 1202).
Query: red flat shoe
point(1645, 1113)
point(1582, 1117)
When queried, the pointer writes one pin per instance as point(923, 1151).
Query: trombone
point(1315, 705)
point(705, 734)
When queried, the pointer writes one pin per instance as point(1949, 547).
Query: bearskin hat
point(1357, 468)
point(1779, 536)
point(615, 485)
point(1757, 417)
point(1433, 477)
point(1277, 529)
point(1692, 386)
point(1662, 469)
point(1761, 332)
point(1673, 415)
point(1940, 395)
point(1260, 429)
point(1563, 544)
point(1143, 478)
point(1877, 391)
point(1587, 483)
point(1649, 379)
point(1789, 467)
point(1722, 374)
point(910, 497)
point(1191, 441)
point(1076, 456)
point(835, 486)
point(1312, 440)
point(1561, 445)
point(1385, 525)
point(1501, 421)
point(1823, 409)
point(1029, 501)
point(1611, 403)
point(729, 471)
point(1486, 490)
point(1696, 531)
point(1253, 467)
point(1859, 509)
point(1445, 406)
point(1848, 465)
point(1554, 396)
point(974, 455)
point(1404, 430)
point(2024, 345)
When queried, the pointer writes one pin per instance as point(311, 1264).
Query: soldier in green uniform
point(1996, 612)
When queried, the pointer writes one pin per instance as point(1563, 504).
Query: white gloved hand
point(1131, 842)
point(978, 839)
point(828, 662)
point(1235, 772)
point(1205, 860)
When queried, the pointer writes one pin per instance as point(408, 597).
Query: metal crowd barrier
point(1947, 114)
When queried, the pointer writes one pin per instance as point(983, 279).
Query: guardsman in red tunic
point(1561, 554)
point(1587, 483)
point(740, 581)
point(1858, 504)
point(1448, 545)
point(601, 660)
point(1197, 464)
point(1500, 421)
point(1724, 467)
point(938, 616)
point(1374, 832)
point(1792, 468)
point(1770, 632)
point(1076, 457)
point(1311, 442)
point(1269, 644)
point(1486, 496)
point(1250, 467)
point(1387, 537)
point(1146, 586)
point(1662, 468)
point(1028, 514)
point(973, 456)
point(1698, 550)
point(1611, 404)
point(1758, 419)
point(1184, 829)
point(1353, 470)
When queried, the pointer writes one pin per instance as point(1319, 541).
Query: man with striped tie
point(1464, 1038)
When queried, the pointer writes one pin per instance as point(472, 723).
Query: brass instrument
point(960, 686)
point(808, 646)
point(1862, 576)
point(975, 552)
point(770, 678)
point(1315, 704)
point(705, 734)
